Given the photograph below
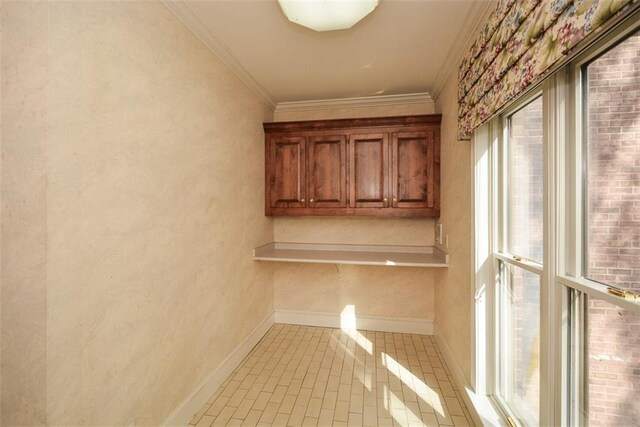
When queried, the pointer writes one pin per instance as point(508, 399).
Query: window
point(611, 212)
point(558, 177)
point(520, 263)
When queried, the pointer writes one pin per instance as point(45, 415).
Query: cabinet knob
point(310, 200)
point(301, 200)
point(395, 200)
point(385, 202)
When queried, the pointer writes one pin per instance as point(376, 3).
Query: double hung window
point(560, 171)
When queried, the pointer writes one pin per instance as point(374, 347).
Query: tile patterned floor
point(300, 375)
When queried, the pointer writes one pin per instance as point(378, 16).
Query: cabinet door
point(368, 170)
point(413, 155)
point(326, 171)
point(286, 168)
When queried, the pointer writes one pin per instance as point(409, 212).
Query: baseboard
point(183, 414)
point(481, 409)
point(371, 323)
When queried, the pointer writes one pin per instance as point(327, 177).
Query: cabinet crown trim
point(368, 122)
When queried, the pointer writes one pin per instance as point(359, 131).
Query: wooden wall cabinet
point(382, 167)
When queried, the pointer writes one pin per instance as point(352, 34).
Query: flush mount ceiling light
point(327, 15)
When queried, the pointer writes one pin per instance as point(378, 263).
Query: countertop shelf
point(382, 255)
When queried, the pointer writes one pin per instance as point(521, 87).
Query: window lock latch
point(623, 294)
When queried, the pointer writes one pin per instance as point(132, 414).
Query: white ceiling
point(404, 46)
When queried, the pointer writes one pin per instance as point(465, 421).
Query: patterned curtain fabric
point(522, 40)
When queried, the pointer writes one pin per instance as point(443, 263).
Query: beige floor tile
point(243, 409)
point(383, 409)
point(224, 416)
point(271, 384)
point(344, 392)
point(253, 392)
point(261, 401)
point(278, 394)
point(252, 418)
point(230, 388)
point(454, 406)
point(280, 420)
point(329, 400)
point(269, 412)
point(444, 420)
point(287, 404)
point(385, 422)
point(341, 412)
point(354, 419)
point(429, 419)
point(447, 389)
point(313, 407)
point(294, 386)
point(205, 421)
point(303, 397)
point(460, 421)
point(237, 397)
point(299, 375)
point(297, 415)
point(370, 416)
point(326, 417)
point(309, 380)
point(309, 422)
point(319, 389)
point(248, 381)
point(333, 383)
point(356, 406)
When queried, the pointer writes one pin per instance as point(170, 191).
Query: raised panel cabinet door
point(412, 174)
point(326, 171)
point(286, 169)
point(369, 170)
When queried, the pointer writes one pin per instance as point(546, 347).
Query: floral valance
point(521, 41)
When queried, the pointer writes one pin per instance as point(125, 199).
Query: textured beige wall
point(375, 291)
point(24, 132)
point(153, 160)
point(454, 290)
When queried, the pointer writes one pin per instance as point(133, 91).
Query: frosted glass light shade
point(327, 15)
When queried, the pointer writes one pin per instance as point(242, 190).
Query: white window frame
point(561, 268)
point(571, 230)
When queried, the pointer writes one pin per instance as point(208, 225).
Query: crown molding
point(358, 102)
point(473, 22)
point(184, 13)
